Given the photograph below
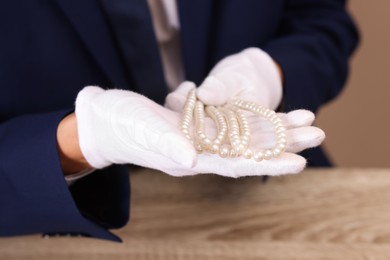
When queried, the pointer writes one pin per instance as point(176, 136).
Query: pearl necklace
point(233, 132)
point(187, 114)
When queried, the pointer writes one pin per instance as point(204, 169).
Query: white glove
point(250, 74)
point(120, 127)
point(300, 136)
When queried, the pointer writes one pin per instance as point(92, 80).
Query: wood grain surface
point(318, 214)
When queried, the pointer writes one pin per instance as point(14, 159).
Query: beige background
point(357, 123)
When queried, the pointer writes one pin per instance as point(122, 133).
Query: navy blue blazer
point(50, 49)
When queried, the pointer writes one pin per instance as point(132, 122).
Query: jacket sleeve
point(312, 46)
point(34, 196)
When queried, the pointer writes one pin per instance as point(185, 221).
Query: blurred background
point(357, 123)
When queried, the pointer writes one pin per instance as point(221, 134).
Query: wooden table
point(319, 214)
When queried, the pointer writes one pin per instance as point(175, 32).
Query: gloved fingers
point(219, 88)
point(144, 123)
point(298, 139)
point(260, 59)
point(176, 99)
point(229, 62)
point(304, 138)
point(293, 119)
point(297, 118)
point(262, 127)
point(213, 90)
point(88, 93)
point(120, 126)
point(177, 147)
point(162, 163)
point(287, 163)
point(178, 171)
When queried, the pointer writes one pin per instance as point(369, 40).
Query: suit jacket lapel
point(89, 22)
point(195, 27)
point(195, 19)
point(132, 24)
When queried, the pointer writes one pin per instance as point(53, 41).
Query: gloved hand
point(251, 75)
point(120, 127)
point(300, 136)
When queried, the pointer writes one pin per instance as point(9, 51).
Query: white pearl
point(199, 148)
point(276, 152)
point(214, 149)
point(267, 154)
point(281, 146)
point(232, 153)
point(270, 114)
point(206, 142)
point(258, 156)
point(278, 124)
point(202, 136)
point(282, 140)
point(248, 154)
point(280, 130)
point(224, 152)
point(276, 120)
point(187, 113)
point(245, 138)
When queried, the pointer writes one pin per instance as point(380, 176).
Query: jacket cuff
point(34, 196)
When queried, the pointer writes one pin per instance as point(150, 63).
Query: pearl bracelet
point(233, 132)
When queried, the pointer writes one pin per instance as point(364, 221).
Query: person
point(286, 54)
